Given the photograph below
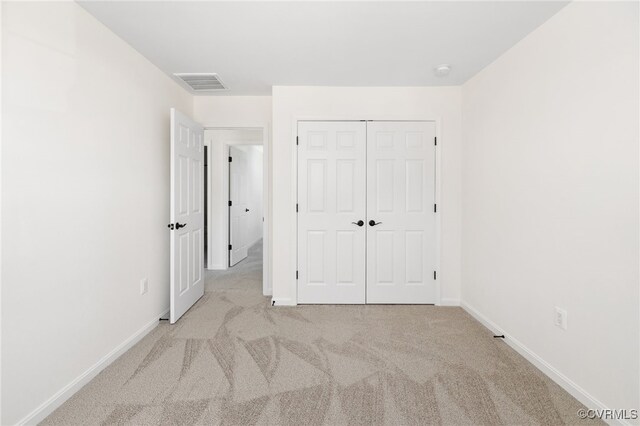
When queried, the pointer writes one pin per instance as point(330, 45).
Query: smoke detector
point(442, 70)
point(201, 82)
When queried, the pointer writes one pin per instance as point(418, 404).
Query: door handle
point(246, 210)
point(359, 223)
point(180, 225)
point(374, 223)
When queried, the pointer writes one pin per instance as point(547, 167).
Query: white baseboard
point(449, 302)
point(563, 381)
point(49, 406)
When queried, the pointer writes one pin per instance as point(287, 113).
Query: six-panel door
point(382, 173)
point(400, 200)
point(187, 214)
point(331, 201)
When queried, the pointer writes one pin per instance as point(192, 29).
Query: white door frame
point(267, 288)
point(365, 117)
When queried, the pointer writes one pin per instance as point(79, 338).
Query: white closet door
point(331, 201)
point(401, 246)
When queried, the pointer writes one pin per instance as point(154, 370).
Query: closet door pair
point(366, 212)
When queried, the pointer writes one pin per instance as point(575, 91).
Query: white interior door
point(331, 201)
point(401, 246)
point(238, 206)
point(187, 214)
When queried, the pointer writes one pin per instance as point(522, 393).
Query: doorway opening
point(237, 241)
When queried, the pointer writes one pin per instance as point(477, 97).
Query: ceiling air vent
point(201, 82)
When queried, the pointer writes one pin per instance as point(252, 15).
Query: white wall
point(218, 141)
point(85, 172)
point(232, 111)
point(550, 196)
point(290, 103)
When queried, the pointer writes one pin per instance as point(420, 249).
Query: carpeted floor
point(245, 275)
point(234, 360)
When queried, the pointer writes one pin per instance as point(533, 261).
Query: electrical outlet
point(144, 285)
point(561, 318)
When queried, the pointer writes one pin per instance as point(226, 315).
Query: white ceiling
point(256, 45)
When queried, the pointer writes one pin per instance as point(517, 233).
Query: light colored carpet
point(235, 360)
point(245, 275)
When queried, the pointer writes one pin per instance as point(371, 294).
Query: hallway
point(246, 275)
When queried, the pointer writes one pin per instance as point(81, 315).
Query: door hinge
point(435, 140)
point(230, 203)
point(296, 207)
point(230, 159)
point(230, 246)
point(296, 275)
point(435, 276)
point(297, 140)
point(435, 208)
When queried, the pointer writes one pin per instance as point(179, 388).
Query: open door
point(187, 214)
point(238, 208)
